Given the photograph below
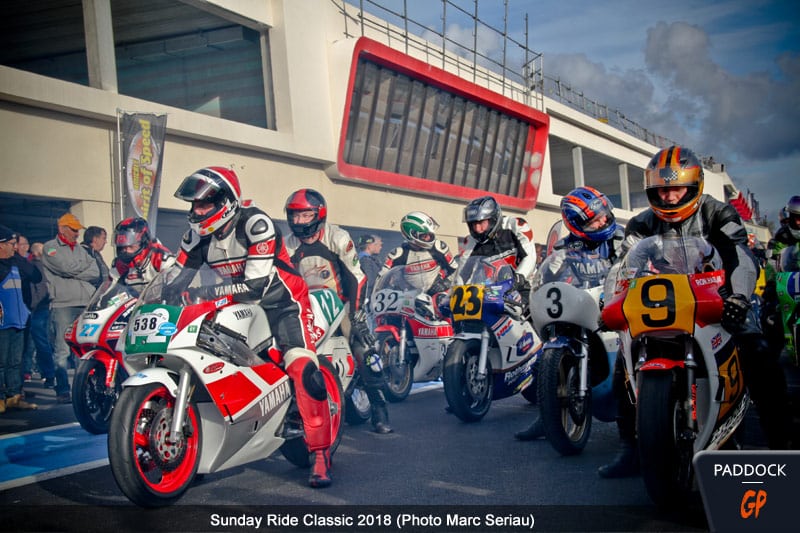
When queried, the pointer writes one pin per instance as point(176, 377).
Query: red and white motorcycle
point(93, 339)
point(204, 393)
point(412, 334)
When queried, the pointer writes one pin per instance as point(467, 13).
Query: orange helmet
point(674, 167)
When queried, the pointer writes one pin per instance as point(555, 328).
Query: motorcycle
point(93, 338)
point(205, 393)
point(787, 285)
point(577, 364)
point(687, 378)
point(494, 349)
point(412, 334)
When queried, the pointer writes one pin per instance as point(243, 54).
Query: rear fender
point(389, 328)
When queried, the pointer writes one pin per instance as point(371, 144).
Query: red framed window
point(412, 126)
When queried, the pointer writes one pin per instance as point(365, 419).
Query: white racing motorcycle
point(204, 393)
point(412, 334)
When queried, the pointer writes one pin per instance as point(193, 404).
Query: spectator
point(13, 319)
point(369, 249)
point(70, 272)
point(94, 240)
point(40, 320)
point(26, 366)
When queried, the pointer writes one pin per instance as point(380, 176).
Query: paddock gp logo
point(752, 490)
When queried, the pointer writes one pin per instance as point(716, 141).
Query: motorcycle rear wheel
point(468, 395)
point(92, 401)
point(399, 376)
point(295, 450)
point(567, 419)
point(666, 470)
point(150, 468)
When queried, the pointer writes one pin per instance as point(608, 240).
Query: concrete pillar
point(100, 44)
point(577, 166)
point(624, 186)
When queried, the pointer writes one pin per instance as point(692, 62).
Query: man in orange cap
point(70, 272)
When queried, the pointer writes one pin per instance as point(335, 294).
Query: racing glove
point(440, 285)
point(521, 282)
point(361, 329)
point(734, 312)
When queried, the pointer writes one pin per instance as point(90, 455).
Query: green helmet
point(419, 229)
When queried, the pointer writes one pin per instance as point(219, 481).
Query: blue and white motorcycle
point(577, 363)
point(495, 348)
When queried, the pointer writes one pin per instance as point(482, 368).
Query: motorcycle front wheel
point(295, 450)
point(566, 417)
point(399, 375)
point(92, 401)
point(666, 469)
point(468, 394)
point(151, 466)
point(358, 408)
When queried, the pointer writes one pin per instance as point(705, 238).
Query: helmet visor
point(127, 237)
point(198, 187)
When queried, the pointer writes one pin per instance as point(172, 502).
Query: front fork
point(181, 401)
point(583, 365)
point(484, 353)
point(401, 351)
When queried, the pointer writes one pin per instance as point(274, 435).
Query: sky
point(719, 77)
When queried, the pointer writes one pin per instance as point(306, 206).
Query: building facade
point(290, 94)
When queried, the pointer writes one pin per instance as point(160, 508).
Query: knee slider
point(314, 383)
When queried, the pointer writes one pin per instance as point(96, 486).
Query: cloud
point(754, 116)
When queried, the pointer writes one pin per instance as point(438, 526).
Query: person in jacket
point(429, 264)
point(241, 243)
point(326, 257)
point(369, 249)
point(139, 256)
point(94, 240)
point(674, 188)
point(40, 320)
point(71, 274)
point(14, 316)
point(594, 236)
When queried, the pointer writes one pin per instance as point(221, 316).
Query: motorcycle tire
point(295, 450)
point(399, 376)
point(665, 468)
point(358, 409)
point(150, 470)
point(566, 418)
point(468, 395)
point(92, 401)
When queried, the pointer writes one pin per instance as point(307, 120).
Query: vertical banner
point(142, 154)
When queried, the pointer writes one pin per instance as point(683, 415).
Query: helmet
point(783, 215)
point(583, 206)
point(306, 200)
point(217, 185)
point(419, 229)
point(483, 208)
point(793, 219)
point(674, 167)
point(131, 232)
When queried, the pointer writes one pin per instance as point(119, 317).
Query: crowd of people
point(52, 282)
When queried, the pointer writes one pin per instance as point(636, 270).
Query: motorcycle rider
point(325, 256)
point(139, 256)
point(788, 233)
point(240, 242)
point(593, 237)
point(674, 187)
point(492, 233)
point(429, 265)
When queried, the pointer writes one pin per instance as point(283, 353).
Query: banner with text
point(142, 139)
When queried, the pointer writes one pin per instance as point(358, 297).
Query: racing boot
point(380, 419)
point(321, 469)
point(533, 432)
point(625, 464)
point(311, 395)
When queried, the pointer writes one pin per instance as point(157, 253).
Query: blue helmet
point(588, 214)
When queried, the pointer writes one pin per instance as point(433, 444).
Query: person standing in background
point(94, 240)
point(71, 274)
